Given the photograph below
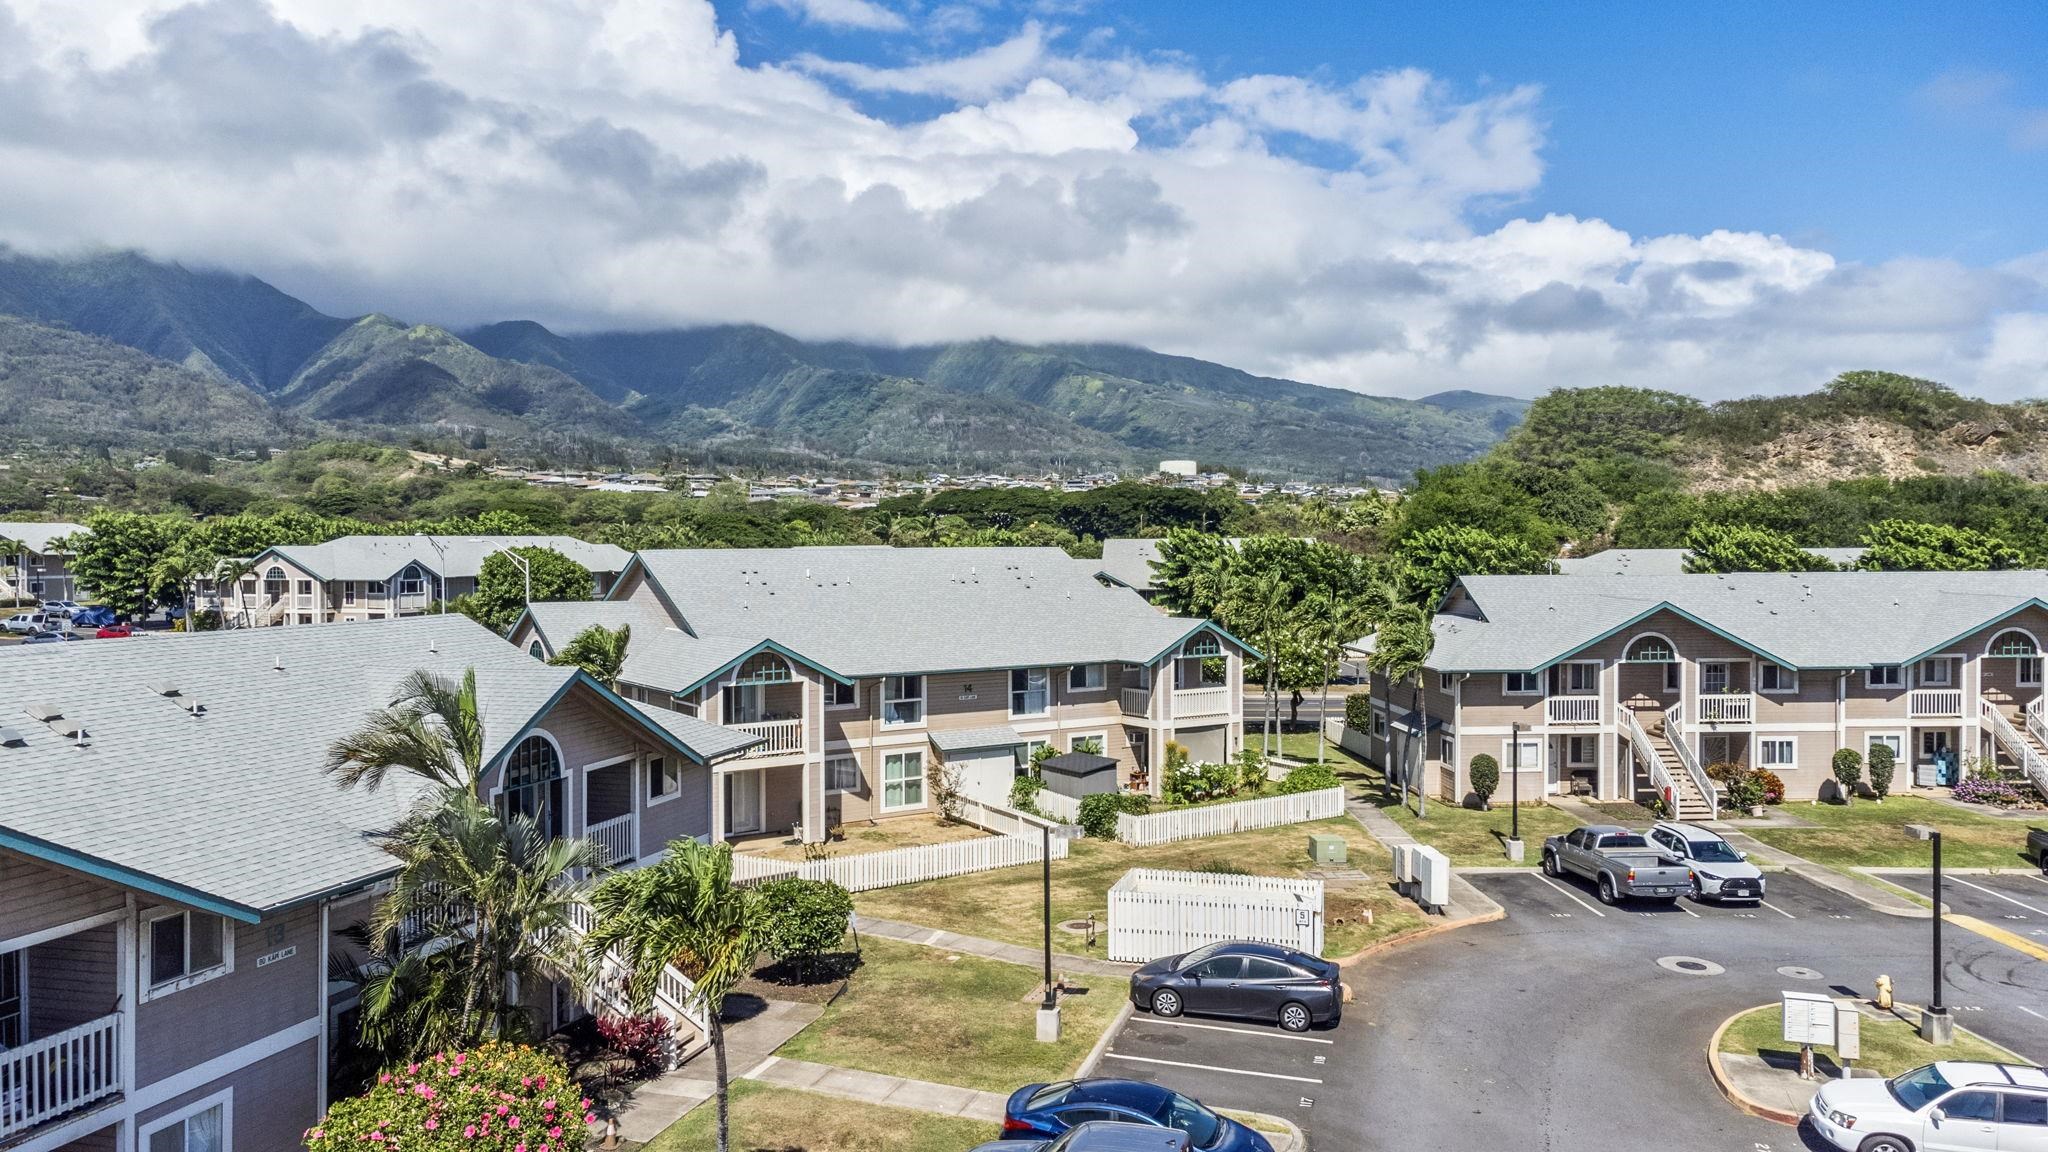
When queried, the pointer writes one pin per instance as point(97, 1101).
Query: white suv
point(1952, 1104)
point(1719, 872)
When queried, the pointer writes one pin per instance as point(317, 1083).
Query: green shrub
point(1251, 771)
point(1099, 812)
point(1882, 765)
point(1485, 778)
point(1221, 868)
point(798, 919)
point(1217, 780)
point(1773, 786)
point(1358, 712)
point(1848, 767)
point(1024, 792)
point(1309, 778)
point(496, 1097)
point(1742, 788)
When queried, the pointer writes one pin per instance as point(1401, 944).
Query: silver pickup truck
point(1620, 863)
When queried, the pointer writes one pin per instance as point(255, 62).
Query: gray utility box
point(1327, 849)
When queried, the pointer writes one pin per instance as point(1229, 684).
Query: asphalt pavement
point(1558, 1027)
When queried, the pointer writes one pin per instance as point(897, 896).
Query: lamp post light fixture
point(1049, 1007)
point(1936, 1025)
point(525, 572)
point(1515, 793)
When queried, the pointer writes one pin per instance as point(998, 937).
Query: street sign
point(1809, 1018)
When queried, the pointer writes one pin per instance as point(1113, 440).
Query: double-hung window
point(201, 1127)
point(1084, 678)
point(842, 774)
point(664, 778)
point(1776, 678)
point(902, 701)
point(348, 592)
point(1028, 695)
point(1581, 676)
point(903, 780)
point(1937, 672)
point(181, 949)
point(1777, 753)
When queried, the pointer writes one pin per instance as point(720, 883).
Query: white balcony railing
point(1572, 709)
point(778, 737)
point(614, 840)
point(1137, 701)
point(1923, 703)
point(44, 1079)
point(1653, 765)
point(1726, 708)
point(1192, 702)
point(1676, 735)
point(2016, 745)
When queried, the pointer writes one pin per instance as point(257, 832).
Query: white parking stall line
point(1239, 1031)
point(2000, 895)
point(1680, 905)
point(2031, 1012)
point(1778, 910)
point(1574, 899)
point(2036, 877)
point(1212, 1068)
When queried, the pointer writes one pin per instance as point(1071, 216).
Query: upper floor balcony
point(1209, 700)
point(1934, 703)
point(60, 1029)
point(1572, 710)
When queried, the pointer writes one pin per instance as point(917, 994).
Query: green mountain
point(971, 405)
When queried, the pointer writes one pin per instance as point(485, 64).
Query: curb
point(1123, 1017)
point(1727, 1088)
point(1296, 1140)
point(1370, 950)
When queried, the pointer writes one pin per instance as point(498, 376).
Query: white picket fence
point(1223, 819)
point(1154, 913)
point(1064, 809)
point(905, 865)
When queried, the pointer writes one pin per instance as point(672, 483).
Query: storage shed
point(1154, 913)
point(1078, 774)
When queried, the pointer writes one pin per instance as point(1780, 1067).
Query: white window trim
point(1870, 738)
point(1379, 724)
point(1074, 738)
point(849, 756)
point(1948, 662)
point(1010, 684)
point(647, 767)
point(348, 592)
point(924, 689)
point(1573, 759)
point(224, 1100)
point(1101, 673)
point(1900, 669)
point(1566, 680)
point(1764, 741)
point(832, 686)
point(190, 979)
point(1727, 676)
point(1781, 689)
point(1535, 678)
point(2020, 679)
point(1447, 681)
point(882, 796)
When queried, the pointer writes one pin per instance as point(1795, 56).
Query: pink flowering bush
point(495, 1098)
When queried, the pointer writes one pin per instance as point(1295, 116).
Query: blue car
point(1042, 1111)
point(92, 617)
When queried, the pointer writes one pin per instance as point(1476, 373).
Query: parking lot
point(1575, 1024)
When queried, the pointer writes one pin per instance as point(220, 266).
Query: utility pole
point(525, 571)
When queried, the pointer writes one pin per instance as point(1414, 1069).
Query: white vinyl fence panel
point(1060, 807)
point(905, 865)
point(1154, 913)
point(1223, 819)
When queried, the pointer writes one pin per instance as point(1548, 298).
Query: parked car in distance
point(1620, 863)
point(1719, 872)
point(95, 617)
point(1101, 1136)
point(49, 638)
point(62, 608)
point(1242, 978)
point(29, 622)
point(1042, 1111)
point(2037, 847)
point(1949, 1104)
point(113, 631)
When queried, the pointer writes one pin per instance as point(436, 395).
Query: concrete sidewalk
point(1032, 958)
point(1467, 903)
point(876, 1088)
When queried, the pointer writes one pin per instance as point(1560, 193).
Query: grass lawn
point(1004, 904)
point(770, 1119)
point(1470, 838)
point(880, 836)
point(1889, 1046)
point(1297, 745)
point(1867, 834)
point(935, 1015)
point(1624, 812)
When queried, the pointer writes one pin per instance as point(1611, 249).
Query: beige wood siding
point(36, 897)
point(191, 1026)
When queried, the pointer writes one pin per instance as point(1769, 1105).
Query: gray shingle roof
point(37, 534)
point(236, 805)
point(382, 557)
point(873, 611)
point(1663, 561)
point(1129, 562)
point(962, 739)
point(1803, 620)
point(658, 654)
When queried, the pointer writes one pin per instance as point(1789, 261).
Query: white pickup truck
point(1619, 862)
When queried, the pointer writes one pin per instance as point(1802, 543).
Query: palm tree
point(684, 911)
point(599, 651)
point(1341, 622)
point(1401, 649)
point(433, 730)
point(1258, 603)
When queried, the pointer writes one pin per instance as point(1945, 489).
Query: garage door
point(986, 773)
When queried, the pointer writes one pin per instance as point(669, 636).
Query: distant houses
point(377, 577)
point(41, 569)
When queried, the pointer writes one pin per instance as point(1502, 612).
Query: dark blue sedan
point(1042, 1111)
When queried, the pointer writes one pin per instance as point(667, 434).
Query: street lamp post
point(1515, 793)
point(1049, 1006)
point(1936, 1025)
point(525, 572)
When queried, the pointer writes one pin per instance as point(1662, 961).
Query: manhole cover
point(1798, 973)
point(1690, 966)
point(1077, 927)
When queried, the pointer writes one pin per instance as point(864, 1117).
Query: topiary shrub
point(1099, 812)
point(1848, 767)
point(1358, 713)
point(495, 1098)
point(799, 919)
point(1309, 778)
point(1485, 779)
point(1882, 764)
point(642, 1039)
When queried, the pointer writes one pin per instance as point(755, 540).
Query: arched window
point(534, 650)
point(1651, 649)
point(764, 668)
point(1203, 646)
point(2012, 642)
point(533, 783)
point(274, 584)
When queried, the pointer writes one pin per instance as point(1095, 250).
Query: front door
point(1553, 770)
point(1216, 986)
point(742, 802)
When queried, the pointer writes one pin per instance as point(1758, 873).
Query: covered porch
point(62, 1021)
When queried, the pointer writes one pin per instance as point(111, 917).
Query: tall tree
point(1193, 572)
point(599, 651)
point(117, 558)
point(1906, 546)
point(1401, 650)
point(501, 585)
point(1742, 548)
point(686, 911)
point(1439, 556)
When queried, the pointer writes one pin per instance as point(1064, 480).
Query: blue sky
point(1907, 130)
point(1719, 199)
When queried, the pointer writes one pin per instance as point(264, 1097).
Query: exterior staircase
point(1690, 802)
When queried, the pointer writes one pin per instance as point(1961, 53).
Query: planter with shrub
point(497, 1097)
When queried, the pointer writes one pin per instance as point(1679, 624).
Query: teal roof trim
point(1662, 606)
point(763, 646)
point(1210, 626)
point(2031, 602)
point(126, 877)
